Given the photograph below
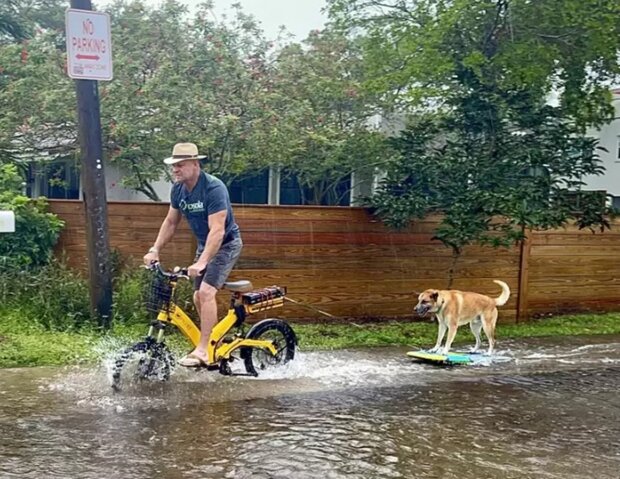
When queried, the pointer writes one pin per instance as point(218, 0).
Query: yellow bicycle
point(268, 343)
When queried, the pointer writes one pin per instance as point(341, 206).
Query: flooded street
point(541, 409)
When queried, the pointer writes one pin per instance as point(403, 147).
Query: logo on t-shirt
point(196, 207)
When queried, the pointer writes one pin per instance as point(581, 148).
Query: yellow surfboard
point(450, 358)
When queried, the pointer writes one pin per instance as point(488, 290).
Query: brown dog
point(454, 308)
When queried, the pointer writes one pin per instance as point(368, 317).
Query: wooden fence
point(344, 261)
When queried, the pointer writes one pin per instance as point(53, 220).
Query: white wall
point(609, 136)
point(116, 192)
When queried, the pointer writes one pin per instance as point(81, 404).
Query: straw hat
point(182, 152)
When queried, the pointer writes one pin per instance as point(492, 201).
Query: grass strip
point(32, 345)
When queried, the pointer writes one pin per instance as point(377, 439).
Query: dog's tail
point(503, 298)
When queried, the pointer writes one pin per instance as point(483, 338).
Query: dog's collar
point(443, 302)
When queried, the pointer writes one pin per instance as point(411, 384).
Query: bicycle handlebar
point(179, 273)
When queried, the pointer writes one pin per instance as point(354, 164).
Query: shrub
point(51, 295)
point(36, 231)
point(129, 287)
point(55, 297)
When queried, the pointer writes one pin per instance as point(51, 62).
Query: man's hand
point(151, 257)
point(197, 268)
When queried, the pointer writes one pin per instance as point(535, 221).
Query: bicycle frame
point(216, 350)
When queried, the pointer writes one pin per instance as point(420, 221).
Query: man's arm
point(166, 232)
point(217, 227)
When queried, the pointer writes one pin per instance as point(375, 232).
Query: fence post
point(524, 263)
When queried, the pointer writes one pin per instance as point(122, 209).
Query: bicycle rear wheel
point(147, 360)
point(283, 338)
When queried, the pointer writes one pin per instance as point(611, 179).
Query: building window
point(340, 194)
point(330, 194)
point(290, 192)
point(249, 190)
point(58, 179)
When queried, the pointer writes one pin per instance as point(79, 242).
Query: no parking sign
point(89, 45)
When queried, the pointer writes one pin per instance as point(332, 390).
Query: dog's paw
point(434, 350)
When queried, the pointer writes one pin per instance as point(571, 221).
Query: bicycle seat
point(241, 286)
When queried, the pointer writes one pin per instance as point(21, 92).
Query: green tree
point(322, 115)
point(11, 27)
point(421, 50)
point(181, 77)
point(29, 32)
point(36, 230)
point(176, 79)
point(486, 148)
point(246, 105)
point(19, 19)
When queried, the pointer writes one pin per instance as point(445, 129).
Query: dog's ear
point(435, 295)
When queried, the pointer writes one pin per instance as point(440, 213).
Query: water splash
point(308, 372)
point(343, 368)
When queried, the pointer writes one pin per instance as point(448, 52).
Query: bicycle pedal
point(208, 367)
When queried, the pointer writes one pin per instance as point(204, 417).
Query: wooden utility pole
point(94, 193)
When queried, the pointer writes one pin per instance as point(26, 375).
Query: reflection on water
point(552, 411)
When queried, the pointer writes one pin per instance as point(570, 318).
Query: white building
point(274, 188)
point(60, 179)
point(609, 137)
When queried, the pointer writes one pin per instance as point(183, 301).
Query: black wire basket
point(158, 294)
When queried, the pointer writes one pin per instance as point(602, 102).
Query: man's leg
point(206, 305)
point(205, 289)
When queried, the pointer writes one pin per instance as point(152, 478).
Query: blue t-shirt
point(208, 196)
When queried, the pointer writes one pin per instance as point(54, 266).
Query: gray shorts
point(221, 265)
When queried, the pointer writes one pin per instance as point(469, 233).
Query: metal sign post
point(89, 58)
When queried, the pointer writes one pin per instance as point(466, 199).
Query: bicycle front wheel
point(283, 338)
point(147, 360)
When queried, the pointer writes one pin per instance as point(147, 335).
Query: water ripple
point(550, 412)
